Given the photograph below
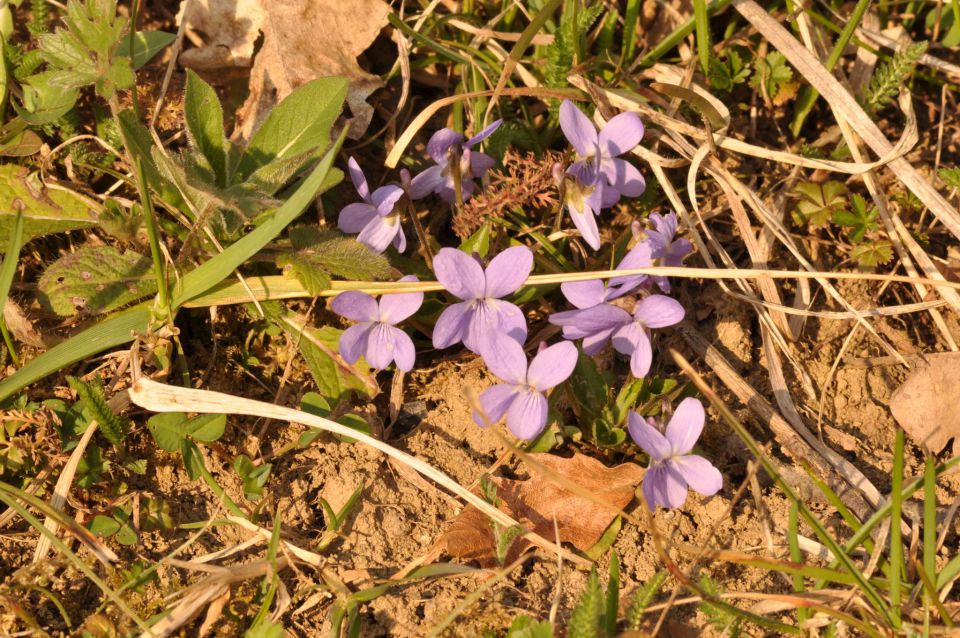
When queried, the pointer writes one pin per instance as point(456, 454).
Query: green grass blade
point(806, 104)
point(930, 518)
point(7, 271)
point(793, 539)
point(896, 541)
point(214, 271)
point(704, 47)
point(630, 19)
point(685, 29)
point(109, 333)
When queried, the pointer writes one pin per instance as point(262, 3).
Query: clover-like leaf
point(94, 280)
point(871, 254)
point(860, 219)
point(819, 202)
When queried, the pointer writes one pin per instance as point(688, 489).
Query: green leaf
point(146, 44)
point(215, 270)
point(526, 627)
point(951, 176)
point(301, 123)
point(478, 242)
point(207, 427)
point(104, 526)
point(170, 429)
point(192, 459)
point(334, 376)
point(45, 211)
point(307, 271)
point(642, 599)
point(318, 254)
point(95, 404)
point(94, 280)
point(860, 219)
point(204, 123)
point(774, 75)
point(254, 476)
point(585, 619)
point(43, 101)
point(872, 254)
point(264, 628)
point(818, 202)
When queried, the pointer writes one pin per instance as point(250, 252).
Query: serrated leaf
point(346, 257)
point(314, 278)
point(204, 123)
point(873, 253)
point(95, 280)
point(95, 406)
point(819, 201)
point(45, 211)
point(300, 124)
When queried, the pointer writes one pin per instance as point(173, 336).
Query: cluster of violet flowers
point(486, 323)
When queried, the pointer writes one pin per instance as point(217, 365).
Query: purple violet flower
point(376, 337)
point(521, 396)
point(483, 314)
point(582, 191)
point(670, 252)
point(376, 218)
point(444, 146)
point(619, 136)
point(633, 338)
point(672, 468)
point(586, 294)
point(629, 334)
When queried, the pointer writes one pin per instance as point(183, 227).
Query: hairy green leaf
point(307, 271)
point(642, 599)
point(204, 123)
point(301, 123)
point(94, 280)
point(91, 397)
point(891, 75)
point(44, 210)
point(586, 616)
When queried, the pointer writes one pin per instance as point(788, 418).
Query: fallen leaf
point(230, 29)
point(20, 326)
point(307, 39)
point(924, 404)
point(537, 501)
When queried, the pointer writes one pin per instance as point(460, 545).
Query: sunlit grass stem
point(930, 517)
point(704, 47)
point(896, 540)
point(150, 221)
point(7, 271)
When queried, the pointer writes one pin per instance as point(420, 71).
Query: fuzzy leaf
point(586, 616)
point(95, 404)
point(204, 122)
point(95, 280)
point(891, 75)
point(318, 255)
point(301, 123)
point(45, 211)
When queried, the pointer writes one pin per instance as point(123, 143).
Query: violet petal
point(355, 306)
point(355, 217)
point(353, 341)
point(659, 311)
point(459, 273)
point(699, 473)
point(621, 134)
point(685, 426)
point(358, 178)
point(647, 437)
point(552, 366)
point(452, 325)
point(494, 401)
point(579, 130)
point(527, 415)
point(507, 271)
point(440, 142)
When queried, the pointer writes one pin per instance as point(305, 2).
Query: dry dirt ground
point(400, 516)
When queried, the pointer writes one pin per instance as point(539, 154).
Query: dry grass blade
point(62, 489)
point(165, 398)
point(846, 106)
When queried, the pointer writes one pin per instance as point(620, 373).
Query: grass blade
point(896, 541)
point(703, 33)
point(7, 271)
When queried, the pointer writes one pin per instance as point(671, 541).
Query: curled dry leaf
point(20, 326)
point(230, 29)
point(537, 501)
point(307, 39)
point(924, 404)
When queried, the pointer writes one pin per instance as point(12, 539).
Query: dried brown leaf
point(538, 501)
point(307, 39)
point(924, 404)
point(230, 29)
point(20, 326)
